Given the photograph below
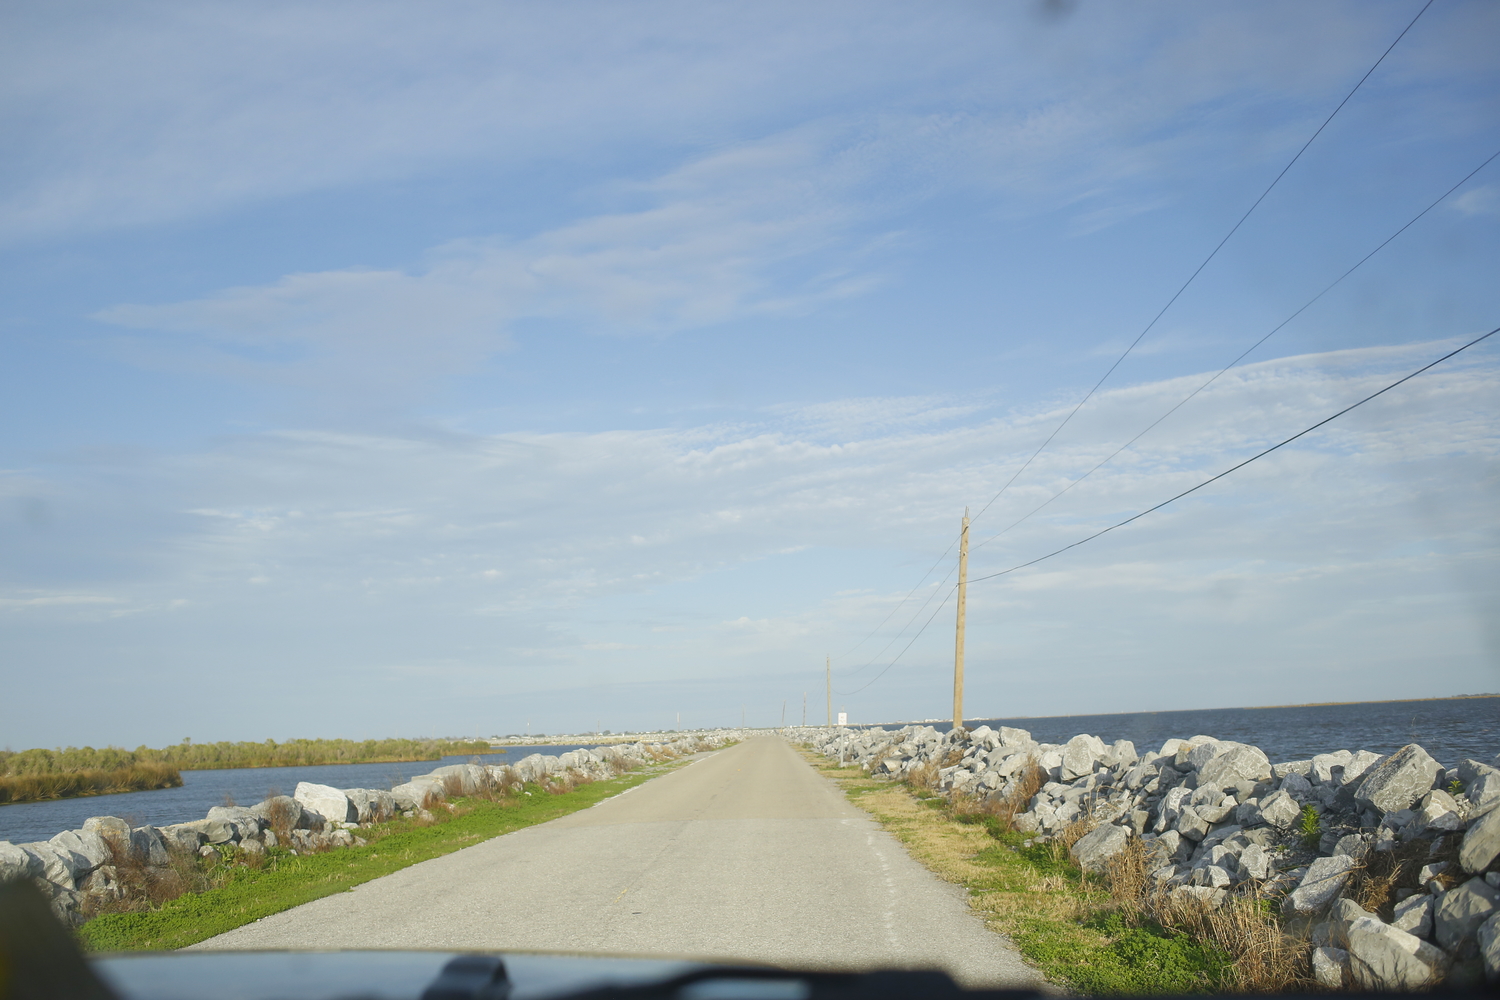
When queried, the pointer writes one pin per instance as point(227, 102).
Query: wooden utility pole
point(804, 709)
point(958, 641)
point(783, 713)
point(828, 682)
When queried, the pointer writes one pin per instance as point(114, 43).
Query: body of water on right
point(1450, 729)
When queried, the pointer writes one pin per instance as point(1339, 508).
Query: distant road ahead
point(744, 854)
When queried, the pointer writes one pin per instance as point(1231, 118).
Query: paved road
point(744, 854)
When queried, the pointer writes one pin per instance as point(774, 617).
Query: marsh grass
point(36, 787)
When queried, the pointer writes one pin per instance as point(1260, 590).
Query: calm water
point(1449, 730)
point(201, 790)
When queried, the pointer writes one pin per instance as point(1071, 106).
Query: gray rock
point(1439, 812)
point(1122, 754)
point(1237, 770)
point(148, 847)
point(1169, 810)
point(1414, 916)
point(181, 837)
point(280, 810)
point(65, 902)
point(1302, 767)
point(328, 802)
point(1360, 763)
point(1095, 848)
point(1321, 884)
point(1331, 967)
point(1255, 863)
point(1191, 825)
point(1482, 843)
point(1460, 911)
point(88, 849)
point(412, 793)
point(1079, 757)
point(371, 805)
point(1353, 845)
point(1470, 770)
point(1399, 781)
point(1489, 948)
point(1484, 792)
point(1297, 786)
point(16, 863)
point(111, 828)
point(1341, 915)
point(239, 815)
point(215, 831)
point(57, 867)
point(1381, 957)
point(1280, 810)
point(1328, 768)
point(1010, 737)
point(470, 776)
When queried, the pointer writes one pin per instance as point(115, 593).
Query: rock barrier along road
point(745, 854)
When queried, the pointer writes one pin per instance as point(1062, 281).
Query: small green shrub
point(1310, 826)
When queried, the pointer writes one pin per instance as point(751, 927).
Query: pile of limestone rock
point(77, 868)
point(1218, 820)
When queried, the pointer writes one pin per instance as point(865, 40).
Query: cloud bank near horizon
point(551, 577)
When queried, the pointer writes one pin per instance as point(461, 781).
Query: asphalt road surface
point(744, 854)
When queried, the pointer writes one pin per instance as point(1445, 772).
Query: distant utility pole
point(828, 682)
point(783, 713)
point(742, 716)
point(958, 641)
point(804, 709)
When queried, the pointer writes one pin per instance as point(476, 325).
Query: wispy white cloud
point(154, 113)
point(524, 550)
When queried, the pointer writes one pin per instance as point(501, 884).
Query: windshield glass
point(1003, 488)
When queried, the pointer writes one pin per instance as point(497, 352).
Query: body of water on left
point(23, 822)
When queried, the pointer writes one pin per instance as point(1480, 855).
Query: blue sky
point(374, 370)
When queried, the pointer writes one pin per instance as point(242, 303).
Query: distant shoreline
point(1222, 708)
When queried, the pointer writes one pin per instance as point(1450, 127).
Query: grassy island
point(33, 775)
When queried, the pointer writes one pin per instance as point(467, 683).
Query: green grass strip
point(291, 880)
point(1063, 923)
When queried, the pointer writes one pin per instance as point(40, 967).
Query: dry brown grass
point(140, 886)
point(280, 818)
point(1128, 876)
point(1374, 883)
point(1016, 801)
point(1265, 958)
point(922, 778)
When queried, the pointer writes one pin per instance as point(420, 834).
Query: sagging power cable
point(1243, 354)
point(1241, 465)
point(1206, 260)
point(1179, 496)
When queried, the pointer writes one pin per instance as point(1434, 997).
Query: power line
point(1241, 465)
point(914, 638)
point(1133, 344)
point(1245, 353)
point(936, 562)
point(1212, 254)
point(1179, 496)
